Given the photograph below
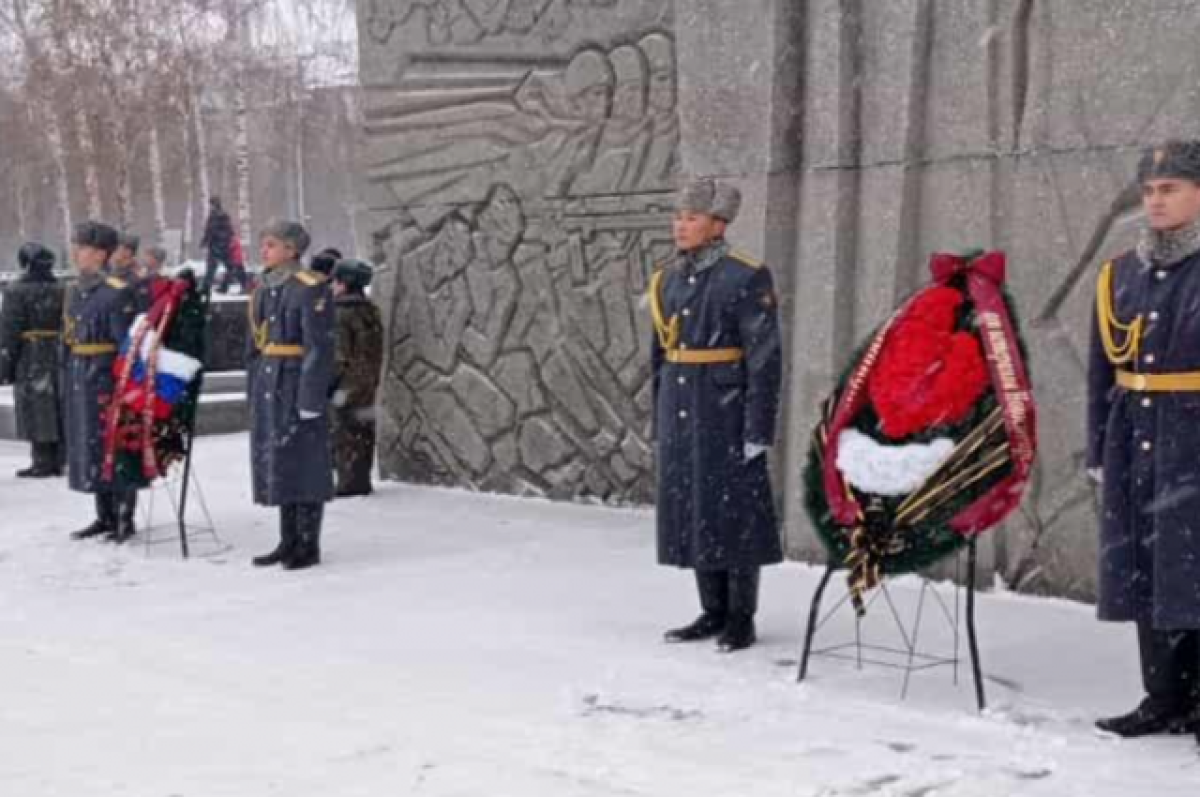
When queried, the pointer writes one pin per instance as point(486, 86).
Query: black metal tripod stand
point(912, 659)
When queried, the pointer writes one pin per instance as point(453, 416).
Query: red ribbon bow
point(944, 267)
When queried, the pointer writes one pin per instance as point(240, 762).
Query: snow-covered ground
point(457, 644)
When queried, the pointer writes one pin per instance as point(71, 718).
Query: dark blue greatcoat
point(1148, 445)
point(290, 456)
point(99, 311)
point(30, 331)
point(715, 509)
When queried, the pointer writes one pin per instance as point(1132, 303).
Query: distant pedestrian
point(218, 236)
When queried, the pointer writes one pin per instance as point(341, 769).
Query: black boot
point(739, 632)
point(44, 457)
point(307, 551)
point(106, 518)
point(1169, 664)
point(1150, 718)
point(713, 587)
point(126, 512)
point(706, 626)
point(287, 539)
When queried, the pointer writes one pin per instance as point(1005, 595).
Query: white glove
point(1096, 475)
point(308, 415)
point(755, 450)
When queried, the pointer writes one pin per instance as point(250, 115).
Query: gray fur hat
point(129, 241)
point(291, 232)
point(159, 254)
point(710, 197)
point(1172, 159)
point(96, 235)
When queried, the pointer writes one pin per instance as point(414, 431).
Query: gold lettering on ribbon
point(1015, 401)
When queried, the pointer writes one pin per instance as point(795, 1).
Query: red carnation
point(927, 373)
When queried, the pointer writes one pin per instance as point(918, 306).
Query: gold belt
point(39, 334)
point(704, 356)
point(282, 350)
point(1187, 382)
point(93, 349)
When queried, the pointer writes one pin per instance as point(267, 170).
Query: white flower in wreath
point(879, 469)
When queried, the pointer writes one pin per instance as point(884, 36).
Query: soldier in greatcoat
point(717, 364)
point(359, 363)
point(124, 266)
point(99, 311)
point(290, 361)
point(30, 328)
point(1144, 442)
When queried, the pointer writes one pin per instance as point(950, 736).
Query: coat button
point(686, 312)
point(1147, 402)
point(1147, 445)
point(683, 413)
point(691, 280)
point(683, 380)
point(1162, 275)
point(1150, 358)
point(1153, 315)
point(683, 345)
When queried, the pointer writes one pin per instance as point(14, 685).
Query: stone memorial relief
point(520, 161)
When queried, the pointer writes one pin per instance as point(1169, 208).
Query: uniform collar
point(89, 281)
point(275, 277)
point(1165, 249)
point(705, 257)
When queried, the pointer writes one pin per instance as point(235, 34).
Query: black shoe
point(282, 551)
point(706, 626)
point(738, 635)
point(97, 528)
point(270, 559)
point(1150, 718)
point(302, 558)
point(121, 534)
point(353, 493)
point(35, 473)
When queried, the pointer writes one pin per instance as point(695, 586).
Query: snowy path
point(466, 645)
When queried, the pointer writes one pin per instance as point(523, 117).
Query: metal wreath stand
point(912, 659)
point(179, 502)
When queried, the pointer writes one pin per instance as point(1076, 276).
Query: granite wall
point(517, 170)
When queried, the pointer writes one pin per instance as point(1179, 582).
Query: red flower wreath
point(927, 374)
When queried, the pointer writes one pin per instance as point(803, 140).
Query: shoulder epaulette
point(311, 278)
point(745, 259)
point(116, 282)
